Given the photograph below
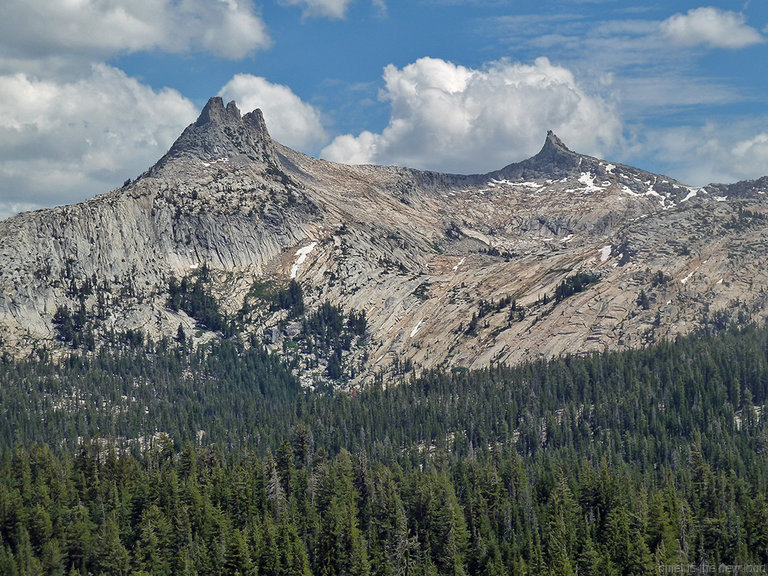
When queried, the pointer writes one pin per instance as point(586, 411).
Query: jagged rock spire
point(554, 159)
point(221, 132)
point(553, 141)
point(255, 120)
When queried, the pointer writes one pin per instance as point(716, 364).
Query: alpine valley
point(560, 253)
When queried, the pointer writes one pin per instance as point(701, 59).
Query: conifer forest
point(157, 458)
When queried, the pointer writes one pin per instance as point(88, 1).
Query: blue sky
point(92, 92)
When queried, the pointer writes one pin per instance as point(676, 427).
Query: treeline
point(640, 405)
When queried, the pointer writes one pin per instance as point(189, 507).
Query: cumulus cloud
point(35, 29)
point(290, 120)
point(322, 8)
point(452, 118)
point(710, 27)
point(62, 142)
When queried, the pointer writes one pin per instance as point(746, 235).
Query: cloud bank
point(453, 118)
point(69, 141)
point(713, 152)
point(290, 120)
point(99, 28)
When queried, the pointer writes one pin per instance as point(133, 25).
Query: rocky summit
point(560, 253)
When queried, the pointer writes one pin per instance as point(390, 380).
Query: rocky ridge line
point(436, 261)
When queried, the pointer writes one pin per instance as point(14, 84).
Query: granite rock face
point(463, 270)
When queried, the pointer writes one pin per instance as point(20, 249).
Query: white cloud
point(321, 8)
point(452, 118)
point(34, 29)
point(62, 142)
point(710, 27)
point(656, 67)
point(741, 158)
point(289, 120)
point(713, 152)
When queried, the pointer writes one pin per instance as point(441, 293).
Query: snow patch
point(301, 256)
point(217, 161)
point(691, 194)
point(493, 183)
point(721, 198)
point(605, 252)
point(652, 192)
point(610, 168)
point(588, 180)
point(416, 328)
point(455, 268)
point(684, 280)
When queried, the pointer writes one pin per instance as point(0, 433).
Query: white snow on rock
point(605, 252)
point(588, 180)
point(691, 194)
point(721, 198)
point(455, 268)
point(652, 191)
point(301, 256)
point(610, 168)
point(416, 328)
point(684, 280)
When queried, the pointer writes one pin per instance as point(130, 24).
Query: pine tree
point(237, 560)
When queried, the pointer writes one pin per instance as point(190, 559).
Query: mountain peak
point(221, 132)
point(255, 121)
point(215, 112)
point(553, 141)
point(554, 159)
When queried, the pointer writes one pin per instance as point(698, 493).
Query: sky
point(93, 92)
